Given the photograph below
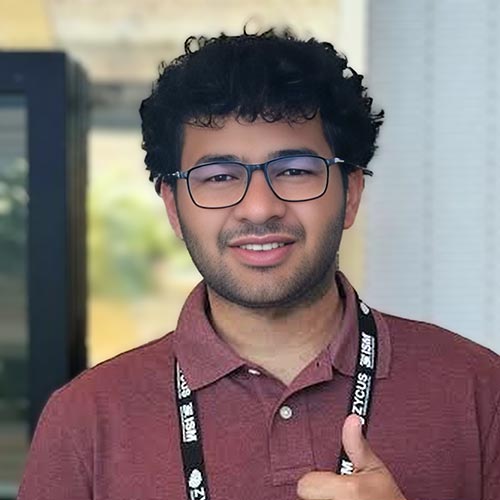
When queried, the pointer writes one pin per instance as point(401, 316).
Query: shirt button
point(253, 371)
point(286, 412)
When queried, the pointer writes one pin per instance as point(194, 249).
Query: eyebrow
point(210, 158)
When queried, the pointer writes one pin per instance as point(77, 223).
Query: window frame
point(56, 92)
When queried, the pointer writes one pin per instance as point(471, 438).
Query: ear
point(168, 197)
point(354, 191)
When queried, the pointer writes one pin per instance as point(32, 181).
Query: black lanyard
point(361, 397)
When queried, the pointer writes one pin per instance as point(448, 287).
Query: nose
point(260, 204)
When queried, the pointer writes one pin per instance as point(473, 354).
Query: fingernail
point(361, 419)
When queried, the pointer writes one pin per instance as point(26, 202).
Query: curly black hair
point(273, 76)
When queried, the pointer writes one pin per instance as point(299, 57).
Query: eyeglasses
point(223, 184)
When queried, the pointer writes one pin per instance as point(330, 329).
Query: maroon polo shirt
point(113, 433)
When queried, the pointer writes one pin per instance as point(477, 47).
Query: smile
point(262, 248)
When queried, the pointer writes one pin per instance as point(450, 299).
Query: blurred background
point(426, 243)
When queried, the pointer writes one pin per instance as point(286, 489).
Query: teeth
point(262, 248)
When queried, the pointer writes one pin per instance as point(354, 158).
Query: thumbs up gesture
point(371, 479)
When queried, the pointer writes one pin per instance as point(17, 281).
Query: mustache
point(296, 231)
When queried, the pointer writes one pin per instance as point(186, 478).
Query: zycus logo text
point(359, 405)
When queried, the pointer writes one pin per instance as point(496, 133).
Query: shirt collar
point(205, 358)
point(343, 349)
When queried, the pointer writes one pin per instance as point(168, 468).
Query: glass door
point(43, 129)
point(14, 426)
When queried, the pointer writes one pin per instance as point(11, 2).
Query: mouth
point(261, 243)
point(264, 247)
point(268, 251)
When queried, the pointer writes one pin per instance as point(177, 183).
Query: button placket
point(290, 442)
point(286, 412)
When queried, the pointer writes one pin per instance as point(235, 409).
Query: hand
point(371, 479)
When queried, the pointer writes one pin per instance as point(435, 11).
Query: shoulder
point(129, 376)
point(432, 351)
point(99, 414)
point(435, 341)
point(443, 372)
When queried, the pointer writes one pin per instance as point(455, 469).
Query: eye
point(293, 172)
point(217, 174)
point(297, 166)
point(220, 178)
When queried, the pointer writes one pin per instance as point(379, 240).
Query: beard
point(306, 284)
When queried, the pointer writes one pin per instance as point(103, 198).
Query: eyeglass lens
point(293, 178)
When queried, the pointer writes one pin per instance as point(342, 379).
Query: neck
point(283, 342)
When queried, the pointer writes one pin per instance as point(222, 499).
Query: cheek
point(330, 205)
point(202, 224)
point(335, 187)
point(320, 216)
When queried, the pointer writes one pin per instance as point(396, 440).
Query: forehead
point(252, 142)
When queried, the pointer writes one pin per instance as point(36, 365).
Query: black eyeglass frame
point(252, 167)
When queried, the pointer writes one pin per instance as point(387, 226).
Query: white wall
point(433, 207)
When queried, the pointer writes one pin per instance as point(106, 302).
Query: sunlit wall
point(433, 224)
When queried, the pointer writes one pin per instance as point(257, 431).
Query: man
point(278, 383)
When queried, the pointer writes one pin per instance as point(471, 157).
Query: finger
point(377, 485)
point(357, 447)
point(318, 486)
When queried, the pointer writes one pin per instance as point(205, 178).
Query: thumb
point(357, 447)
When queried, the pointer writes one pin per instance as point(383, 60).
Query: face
point(263, 252)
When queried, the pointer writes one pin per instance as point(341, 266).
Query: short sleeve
point(55, 469)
